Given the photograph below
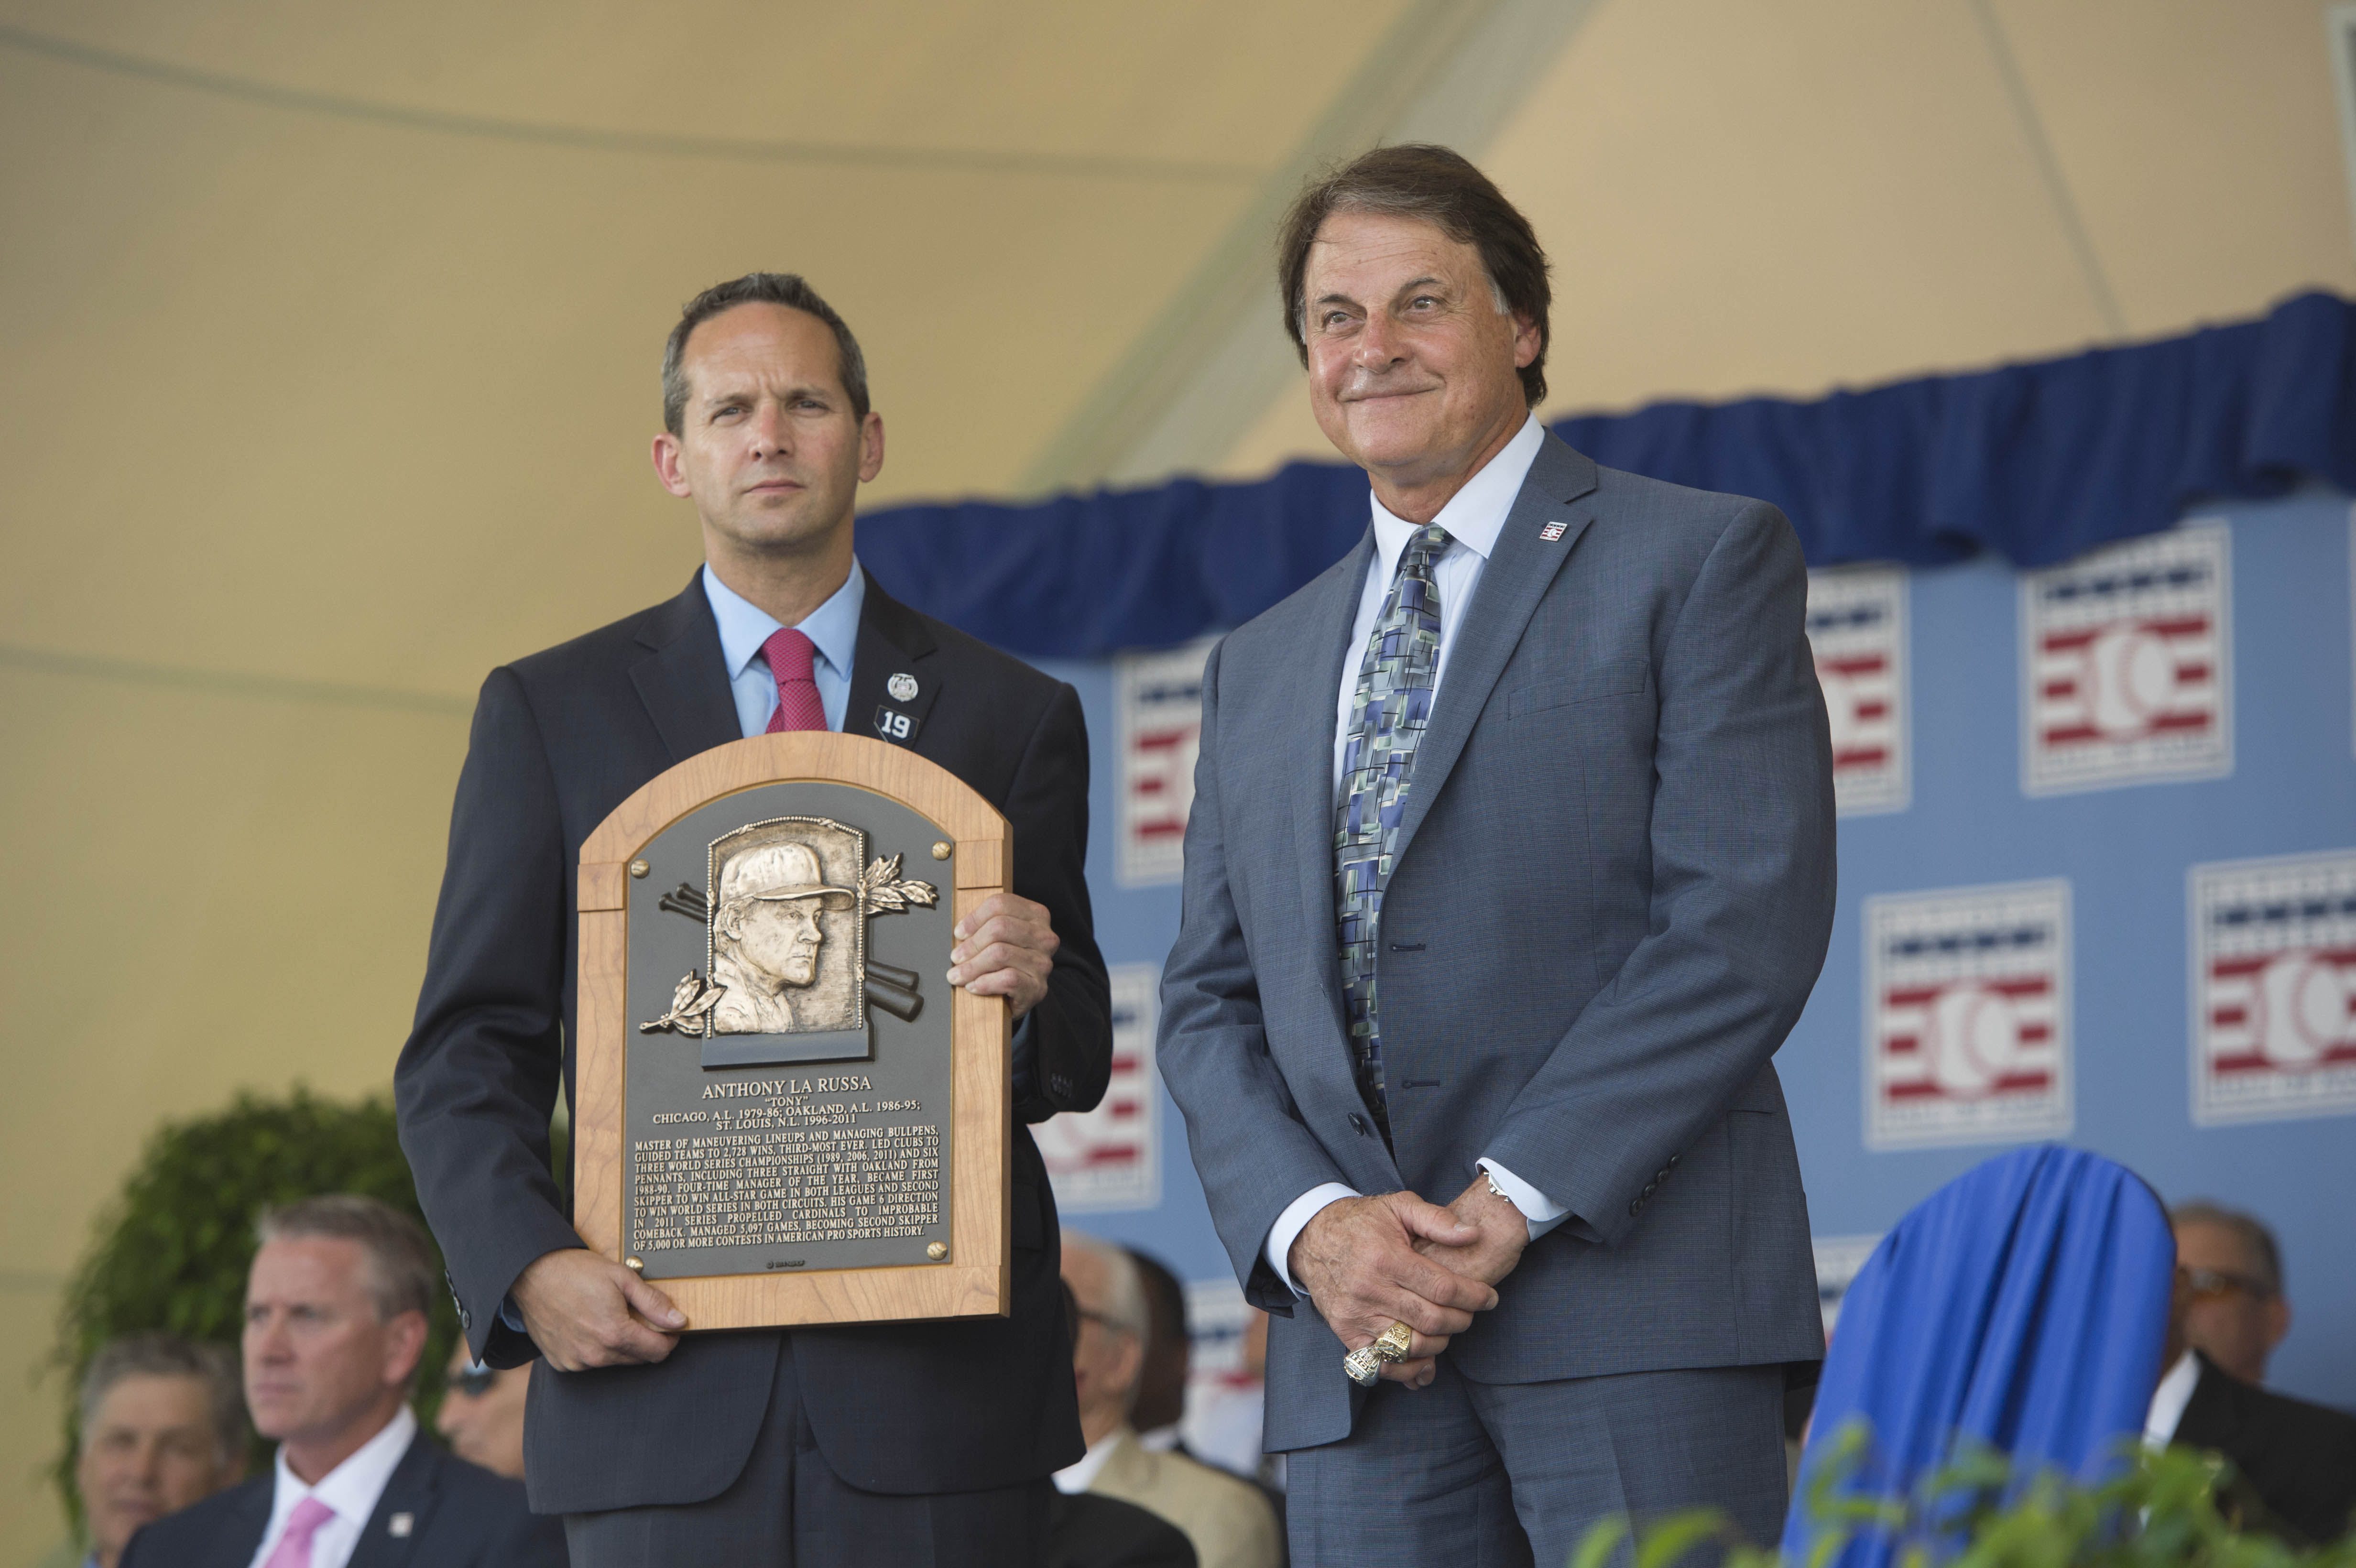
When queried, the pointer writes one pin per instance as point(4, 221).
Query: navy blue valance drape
point(2036, 463)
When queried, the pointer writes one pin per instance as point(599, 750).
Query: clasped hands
point(583, 1310)
point(1368, 1263)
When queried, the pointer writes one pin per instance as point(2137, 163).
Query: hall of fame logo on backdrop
point(1856, 629)
point(1158, 703)
point(1967, 1016)
point(1110, 1158)
point(2126, 663)
point(2274, 987)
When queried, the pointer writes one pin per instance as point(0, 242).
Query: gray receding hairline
point(400, 1255)
point(2256, 1236)
point(158, 1355)
point(1124, 1302)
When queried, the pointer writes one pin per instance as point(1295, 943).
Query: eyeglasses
point(1109, 1325)
point(474, 1382)
point(2224, 1281)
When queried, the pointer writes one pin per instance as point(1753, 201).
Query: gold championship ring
point(1366, 1363)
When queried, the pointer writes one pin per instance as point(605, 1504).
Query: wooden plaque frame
point(976, 1279)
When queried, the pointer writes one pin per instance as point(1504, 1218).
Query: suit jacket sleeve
point(1742, 899)
point(478, 1079)
point(1047, 807)
point(1254, 1153)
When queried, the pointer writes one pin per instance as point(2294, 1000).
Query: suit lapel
point(392, 1531)
point(235, 1548)
point(1310, 721)
point(683, 678)
point(893, 650)
point(1559, 490)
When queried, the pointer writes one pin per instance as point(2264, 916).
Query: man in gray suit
point(1510, 867)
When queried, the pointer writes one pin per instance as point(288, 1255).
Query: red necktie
point(799, 708)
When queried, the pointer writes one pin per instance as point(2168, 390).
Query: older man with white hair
point(1228, 1521)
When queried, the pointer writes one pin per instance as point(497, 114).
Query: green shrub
point(171, 1251)
point(2177, 1508)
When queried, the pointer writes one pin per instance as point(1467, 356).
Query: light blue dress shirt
point(833, 626)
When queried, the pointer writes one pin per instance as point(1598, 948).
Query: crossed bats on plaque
point(766, 922)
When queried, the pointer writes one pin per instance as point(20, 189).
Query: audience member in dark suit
point(335, 1325)
point(2294, 1462)
point(2237, 1313)
point(901, 1443)
point(2300, 1458)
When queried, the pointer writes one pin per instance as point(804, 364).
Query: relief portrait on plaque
point(786, 907)
point(769, 941)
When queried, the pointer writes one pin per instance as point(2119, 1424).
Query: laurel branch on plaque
point(768, 931)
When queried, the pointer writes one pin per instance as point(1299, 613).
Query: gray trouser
point(789, 1510)
point(1504, 1474)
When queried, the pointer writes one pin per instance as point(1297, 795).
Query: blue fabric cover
point(2037, 463)
point(2023, 1305)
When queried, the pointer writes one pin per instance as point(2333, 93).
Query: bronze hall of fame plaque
point(783, 1113)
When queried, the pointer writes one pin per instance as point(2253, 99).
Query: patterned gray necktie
point(1386, 719)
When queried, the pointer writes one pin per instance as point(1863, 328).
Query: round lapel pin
point(902, 686)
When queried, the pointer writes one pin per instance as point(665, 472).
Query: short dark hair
point(213, 1367)
point(1439, 187)
point(787, 288)
point(2256, 1240)
point(402, 1271)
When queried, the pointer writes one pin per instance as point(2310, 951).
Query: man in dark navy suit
point(335, 1325)
point(904, 1443)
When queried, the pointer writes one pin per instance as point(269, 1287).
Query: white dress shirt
point(832, 627)
point(1074, 1479)
point(1474, 517)
point(351, 1488)
point(2168, 1400)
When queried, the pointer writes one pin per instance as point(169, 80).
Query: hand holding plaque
point(1006, 948)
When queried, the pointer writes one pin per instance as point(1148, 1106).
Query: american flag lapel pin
point(1553, 532)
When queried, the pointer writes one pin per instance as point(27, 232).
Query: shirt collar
point(1079, 1476)
point(2167, 1401)
point(833, 626)
point(353, 1488)
point(1476, 515)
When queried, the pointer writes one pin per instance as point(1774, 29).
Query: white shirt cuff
point(1294, 1220)
point(1542, 1212)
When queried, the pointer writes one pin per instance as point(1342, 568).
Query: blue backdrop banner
point(2034, 463)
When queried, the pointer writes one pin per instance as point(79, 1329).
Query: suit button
point(1357, 1123)
point(1673, 1160)
point(1661, 1174)
point(1649, 1186)
point(1635, 1204)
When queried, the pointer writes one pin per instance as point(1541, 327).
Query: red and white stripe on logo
point(1967, 1040)
point(1859, 702)
point(2128, 680)
point(2273, 1012)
